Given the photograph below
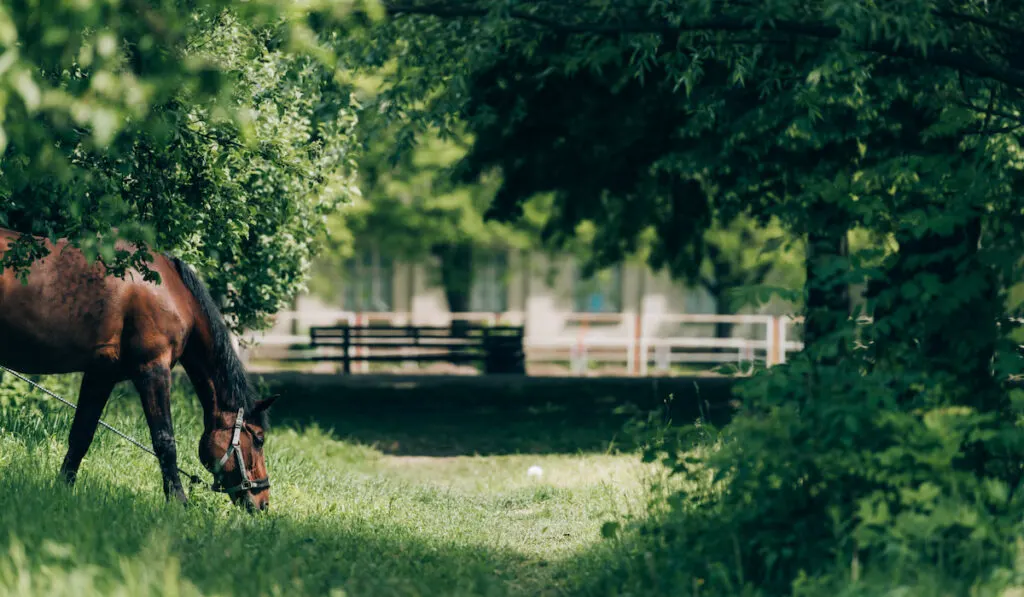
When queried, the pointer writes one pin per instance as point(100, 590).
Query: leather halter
point(247, 483)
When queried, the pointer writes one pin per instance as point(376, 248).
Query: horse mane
point(230, 378)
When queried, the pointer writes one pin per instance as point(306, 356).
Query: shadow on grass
point(328, 528)
point(112, 530)
point(450, 416)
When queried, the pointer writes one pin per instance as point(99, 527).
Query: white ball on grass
point(534, 471)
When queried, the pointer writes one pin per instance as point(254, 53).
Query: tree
point(411, 210)
point(416, 211)
point(687, 44)
point(896, 118)
point(775, 114)
point(742, 259)
point(218, 135)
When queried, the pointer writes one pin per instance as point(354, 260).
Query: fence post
point(347, 343)
point(491, 352)
point(663, 358)
point(781, 338)
point(415, 333)
point(771, 356)
point(579, 355)
point(644, 351)
point(362, 351)
point(638, 339)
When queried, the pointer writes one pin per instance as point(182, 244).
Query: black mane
point(230, 379)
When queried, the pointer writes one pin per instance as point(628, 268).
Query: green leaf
point(27, 89)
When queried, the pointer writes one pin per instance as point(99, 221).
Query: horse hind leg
point(154, 385)
point(92, 399)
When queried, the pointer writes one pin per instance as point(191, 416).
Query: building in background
point(617, 316)
point(534, 290)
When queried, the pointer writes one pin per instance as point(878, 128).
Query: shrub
point(827, 476)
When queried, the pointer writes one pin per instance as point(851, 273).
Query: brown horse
point(71, 317)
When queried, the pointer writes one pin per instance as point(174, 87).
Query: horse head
point(233, 451)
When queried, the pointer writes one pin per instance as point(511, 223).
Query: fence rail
point(655, 342)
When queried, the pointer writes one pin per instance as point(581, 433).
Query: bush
point(819, 485)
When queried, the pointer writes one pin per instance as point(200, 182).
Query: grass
point(346, 518)
point(374, 499)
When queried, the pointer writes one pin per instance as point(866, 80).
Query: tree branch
point(991, 106)
point(979, 21)
point(999, 131)
point(990, 111)
point(957, 60)
point(762, 272)
point(711, 286)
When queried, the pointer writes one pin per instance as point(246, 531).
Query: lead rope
point(193, 479)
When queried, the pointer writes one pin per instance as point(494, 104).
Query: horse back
point(71, 316)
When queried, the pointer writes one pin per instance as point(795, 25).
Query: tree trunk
point(457, 280)
point(724, 279)
point(722, 329)
point(827, 287)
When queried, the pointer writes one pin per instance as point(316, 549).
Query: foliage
point(743, 258)
point(823, 497)
point(260, 210)
point(220, 135)
point(411, 210)
point(410, 207)
point(899, 119)
point(637, 119)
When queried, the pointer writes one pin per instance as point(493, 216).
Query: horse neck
point(204, 369)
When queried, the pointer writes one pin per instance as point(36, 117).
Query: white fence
point(640, 344)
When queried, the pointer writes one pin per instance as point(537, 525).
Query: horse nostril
point(265, 505)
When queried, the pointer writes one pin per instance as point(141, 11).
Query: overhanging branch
point(991, 111)
point(982, 22)
point(961, 60)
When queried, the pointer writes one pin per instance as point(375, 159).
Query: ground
point(442, 506)
point(403, 489)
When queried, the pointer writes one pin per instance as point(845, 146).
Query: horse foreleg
point(154, 386)
point(92, 398)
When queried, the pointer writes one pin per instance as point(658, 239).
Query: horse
point(72, 316)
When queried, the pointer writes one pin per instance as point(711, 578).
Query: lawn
point(376, 496)
point(347, 517)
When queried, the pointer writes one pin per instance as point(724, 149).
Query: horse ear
point(262, 405)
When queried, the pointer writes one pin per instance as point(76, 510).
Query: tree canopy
point(222, 135)
point(699, 104)
point(801, 111)
point(898, 119)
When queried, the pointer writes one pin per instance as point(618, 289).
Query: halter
point(247, 483)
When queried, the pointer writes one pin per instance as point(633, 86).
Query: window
point(368, 282)
point(602, 293)
point(490, 283)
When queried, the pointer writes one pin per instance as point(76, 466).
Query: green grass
point(393, 497)
point(345, 519)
